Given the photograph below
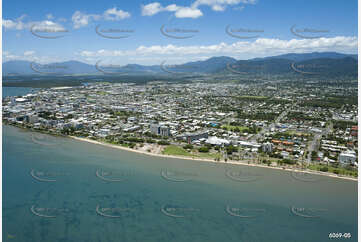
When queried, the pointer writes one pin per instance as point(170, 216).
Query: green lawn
point(339, 170)
point(175, 150)
point(231, 127)
point(101, 93)
point(208, 155)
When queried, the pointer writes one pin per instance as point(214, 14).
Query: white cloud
point(172, 8)
point(152, 9)
point(180, 12)
point(221, 3)
point(9, 24)
point(188, 13)
point(155, 54)
point(242, 49)
point(29, 53)
point(82, 19)
point(17, 24)
point(45, 25)
point(114, 14)
point(193, 10)
point(218, 8)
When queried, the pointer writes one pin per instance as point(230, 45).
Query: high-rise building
point(267, 147)
point(159, 129)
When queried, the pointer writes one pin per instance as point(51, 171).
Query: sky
point(151, 32)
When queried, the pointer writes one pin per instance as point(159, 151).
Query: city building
point(189, 137)
point(213, 140)
point(159, 129)
point(267, 147)
point(347, 157)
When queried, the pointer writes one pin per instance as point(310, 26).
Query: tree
point(230, 149)
point(188, 146)
point(203, 149)
point(314, 155)
point(163, 142)
point(324, 169)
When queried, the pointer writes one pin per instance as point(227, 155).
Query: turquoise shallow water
point(147, 198)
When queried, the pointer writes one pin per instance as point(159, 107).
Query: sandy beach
point(209, 160)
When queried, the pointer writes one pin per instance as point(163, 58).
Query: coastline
point(209, 160)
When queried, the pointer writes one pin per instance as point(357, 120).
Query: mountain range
point(315, 63)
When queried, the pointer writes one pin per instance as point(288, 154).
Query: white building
point(347, 157)
point(213, 140)
point(285, 154)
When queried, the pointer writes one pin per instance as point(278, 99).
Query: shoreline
point(209, 160)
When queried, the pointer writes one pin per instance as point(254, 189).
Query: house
point(354, 131)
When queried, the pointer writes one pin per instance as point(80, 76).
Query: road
point(313, 146)
point(272, 125)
